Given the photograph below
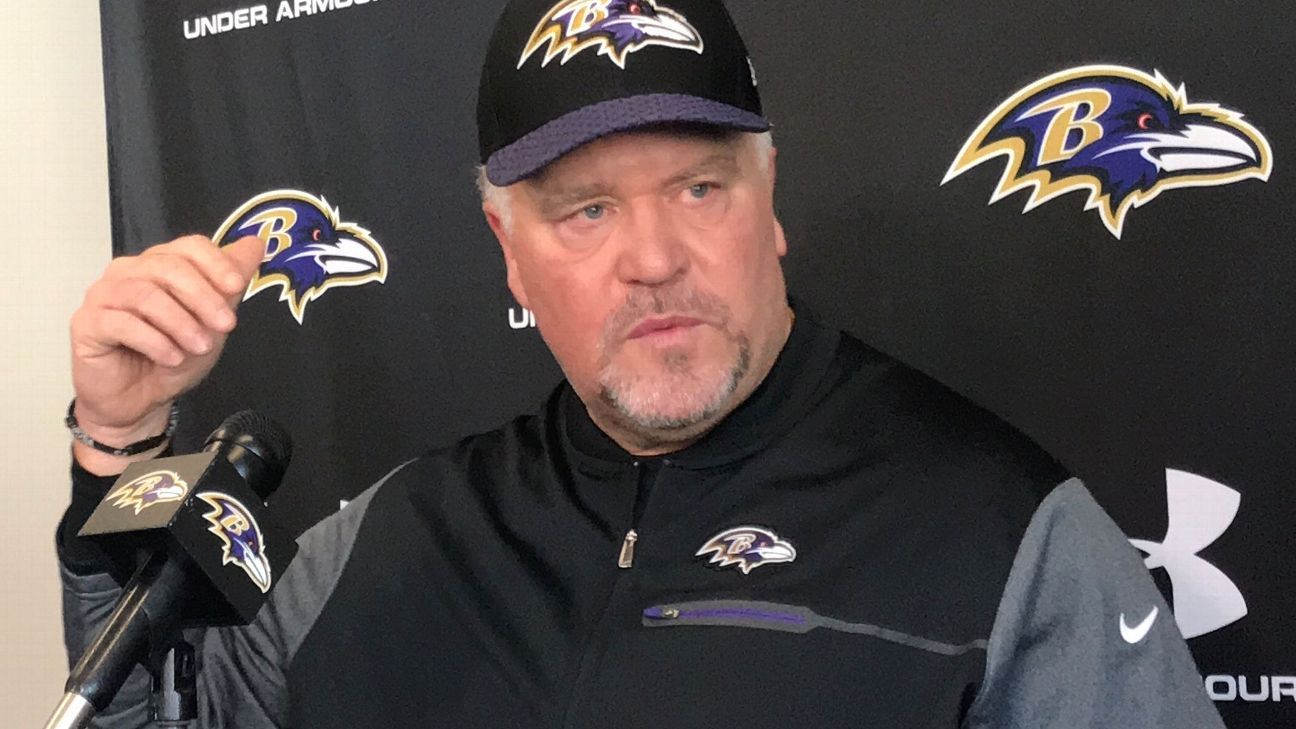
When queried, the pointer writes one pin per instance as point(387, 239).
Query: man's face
point(651, 262)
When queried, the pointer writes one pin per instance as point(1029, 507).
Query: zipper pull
point(626, 560)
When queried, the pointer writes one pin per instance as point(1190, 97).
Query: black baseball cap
point(561, 73)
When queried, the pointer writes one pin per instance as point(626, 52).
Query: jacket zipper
point(789, 619)
point(626, 559)
point(646, 475)
point(728, 613)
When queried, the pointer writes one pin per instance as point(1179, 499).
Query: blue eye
point(593, 212)
point(700, 190)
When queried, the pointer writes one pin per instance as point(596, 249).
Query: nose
point(652, 249)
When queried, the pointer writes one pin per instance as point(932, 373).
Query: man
point(726, 515)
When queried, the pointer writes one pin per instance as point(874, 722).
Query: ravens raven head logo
point(748, 547)
point(308, 248)
point(241, 536)
point(614, 28)
point(152, 488)
point(1119, 134)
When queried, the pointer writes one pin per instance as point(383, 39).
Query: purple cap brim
point(536, 149)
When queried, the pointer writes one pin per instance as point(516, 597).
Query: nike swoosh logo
point(1138, 632)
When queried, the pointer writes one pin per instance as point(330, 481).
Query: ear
point(501, 232)
point(780, 241)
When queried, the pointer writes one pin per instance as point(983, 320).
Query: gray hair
point(498, 197)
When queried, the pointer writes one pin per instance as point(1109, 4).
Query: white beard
point(679, 397)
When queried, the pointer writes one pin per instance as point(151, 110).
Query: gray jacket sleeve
point(241, 680)
point(1082, 637)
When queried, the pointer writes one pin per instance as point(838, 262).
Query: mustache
point(641, 303)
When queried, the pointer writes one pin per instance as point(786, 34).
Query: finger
point(159, 308)
point(130, 331)
point(182, 280)
point(246, 255)
point(209, 260)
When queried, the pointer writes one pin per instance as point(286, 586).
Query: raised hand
point(150, 328)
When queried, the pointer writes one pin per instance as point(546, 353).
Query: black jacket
point(854, 546)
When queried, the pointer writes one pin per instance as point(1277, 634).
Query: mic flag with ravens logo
point(1116, 132)
point(242, 542)
point(309, 249)
point(155, 487)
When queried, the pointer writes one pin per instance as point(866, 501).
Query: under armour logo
point(1200, 510)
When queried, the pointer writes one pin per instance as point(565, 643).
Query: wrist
point(107, 450)
point(120, 435)
point(99, 463)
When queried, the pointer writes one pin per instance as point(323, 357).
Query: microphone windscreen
point(247, 437)
point(272, 441)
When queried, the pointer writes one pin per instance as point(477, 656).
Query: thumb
point(246, 254)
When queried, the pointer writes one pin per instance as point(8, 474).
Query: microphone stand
point(175, 693)
point(106, 665)
point(175, 686)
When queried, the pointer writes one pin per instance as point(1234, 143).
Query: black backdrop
point(1163, 357)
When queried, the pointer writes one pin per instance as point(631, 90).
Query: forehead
point(664, 149)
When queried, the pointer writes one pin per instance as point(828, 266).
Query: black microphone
point(217, 555)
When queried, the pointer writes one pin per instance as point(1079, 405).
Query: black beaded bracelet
point(133, 449)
